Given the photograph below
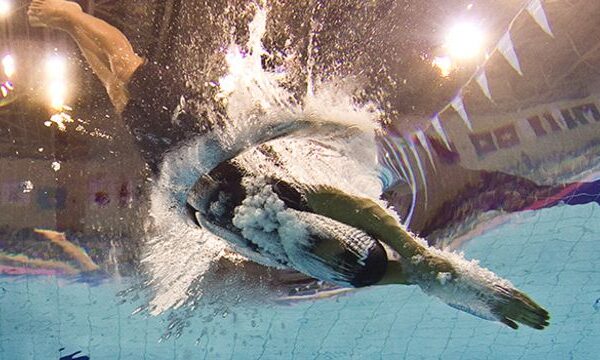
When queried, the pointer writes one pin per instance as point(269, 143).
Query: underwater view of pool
point(282, 179)
point(552, 253)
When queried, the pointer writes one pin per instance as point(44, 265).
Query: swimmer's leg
point(394, 275)
point(107, 50)
point(370, 217)
point(77, 253)
point(459, 283)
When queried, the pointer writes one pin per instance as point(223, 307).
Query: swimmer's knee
point(395, 274)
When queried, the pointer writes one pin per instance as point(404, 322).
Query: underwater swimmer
point(149, 97)
point(344, 235)
point(346, 240)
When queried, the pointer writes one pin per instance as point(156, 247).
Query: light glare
point(58, 93)
point(4, 8)
point(8, 63)
point(56, 67)
point(444, 64)
point(56, 75)
point(464, 41)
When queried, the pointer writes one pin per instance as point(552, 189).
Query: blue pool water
point(551, 254)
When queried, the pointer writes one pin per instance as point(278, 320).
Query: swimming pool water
point(552, 254)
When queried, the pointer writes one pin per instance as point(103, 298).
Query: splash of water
point(324, 139)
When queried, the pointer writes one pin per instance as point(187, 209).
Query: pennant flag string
point(459, 106)
point(413, 186)
point(506, 48)
point(437, 125)
point(483, 84)
point(556, 114)
point(390, 158)
point(425, 144)
point(538, 14)
point(413, 150)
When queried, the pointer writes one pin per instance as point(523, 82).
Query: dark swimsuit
point(157, 114)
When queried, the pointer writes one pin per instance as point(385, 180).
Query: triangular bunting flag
point(538, 14)
point(391, 159)
point(459, 106)
point(420, 134)
point(413, 150)
point(525, 129)
point(413, 186)
point(437, 125)
point(483, 84)
point(557, 115)
point(507, 49)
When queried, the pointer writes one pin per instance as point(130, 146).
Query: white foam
point(330, 140)
point(258, 217)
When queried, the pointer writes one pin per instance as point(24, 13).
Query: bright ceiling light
point(444, 65)
point(4, 8)
point(57, 91)
point(464, 41)
point(8, 63)
point(56, 85)
point(56, 67)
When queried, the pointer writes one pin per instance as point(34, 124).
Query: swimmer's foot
point(515, 307)
point(34, 21)
point(51, 13)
